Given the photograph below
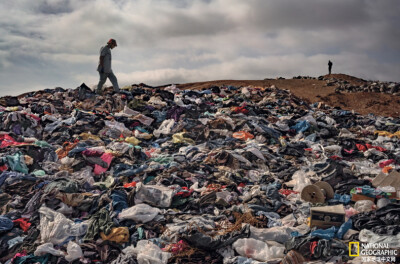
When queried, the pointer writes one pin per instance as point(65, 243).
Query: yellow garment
point(132, 140)
point(117, 234)
point(387, 134)
point(178, 138)
point(86, 136)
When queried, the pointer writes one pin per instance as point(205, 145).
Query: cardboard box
point(359, 197)
point(392, 179)
point(327, 216)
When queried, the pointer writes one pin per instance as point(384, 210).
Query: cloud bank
point(50, 43)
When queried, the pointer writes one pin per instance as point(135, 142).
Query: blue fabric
point(327, 234)
point(340, 199)
point(344, 228)
point(301, 126)
point(119, 200)
point(312, 137)
point(75, 151)
point(6, 223)
point(127, 170)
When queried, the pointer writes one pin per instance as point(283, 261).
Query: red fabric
point(240, 109)
point(3, 168)
point(369, 146)
point(335, 157)
point(185, 193)
point(23, 223)
point(34, 117)
point(7, 141)
point(361, 147)
point(313, 245)
point(286, 192)
point(386, 163)
point(177, 247)
point(130, 185)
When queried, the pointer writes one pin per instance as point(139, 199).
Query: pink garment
point(106, 157)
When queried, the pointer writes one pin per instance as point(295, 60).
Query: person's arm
point(101, 63)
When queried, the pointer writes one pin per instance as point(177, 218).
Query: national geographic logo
point(381, 252)
point(354, 249)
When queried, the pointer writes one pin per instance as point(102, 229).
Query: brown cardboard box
point(392, 179)
point(327, 216)
point(358, 197)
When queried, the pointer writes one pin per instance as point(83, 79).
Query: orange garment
point(66, 147)
point(243, 135)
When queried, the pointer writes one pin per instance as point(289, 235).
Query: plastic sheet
point(74, 251)
point(141, 213)
point(257, 249)
point(56, 228)
point(364, 206)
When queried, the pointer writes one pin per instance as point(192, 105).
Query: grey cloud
point(48, 43)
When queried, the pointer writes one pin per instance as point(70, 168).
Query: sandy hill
point(314, 90)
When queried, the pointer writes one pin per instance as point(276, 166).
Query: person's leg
point(102, 81)
point(114, 81)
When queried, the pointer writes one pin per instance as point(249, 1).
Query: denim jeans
point(103, 79)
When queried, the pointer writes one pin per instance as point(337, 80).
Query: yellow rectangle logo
point(354, 249)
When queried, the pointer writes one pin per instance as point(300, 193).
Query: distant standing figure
point(330, 66)
point(104, 67)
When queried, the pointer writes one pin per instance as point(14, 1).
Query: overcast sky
point(55, 43)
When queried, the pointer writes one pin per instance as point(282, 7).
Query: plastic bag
point(301, 180)
point(74, 251)
point(258, 250)
point(147, 252)
point(142, 213)
point(48, 248)
point(56, 228)
point(364, 206)
point(370, 237)
point(155, 195)
point(279, 234)
point(165, 128)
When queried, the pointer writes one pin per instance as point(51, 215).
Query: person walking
point(330, 66)
point(104, 67)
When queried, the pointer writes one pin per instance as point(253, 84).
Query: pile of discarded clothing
point(220, 175)
point(363, 86)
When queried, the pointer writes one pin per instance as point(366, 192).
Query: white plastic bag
point(48, 248)
point(364, 206)
point(165, 128)
point(156, 195)
point(279, 234)
point(142, 213)
point(301, 180)
point(56, 228)
point(258, 250)
point(147, 252)
point(74, 251)
point(370, 237)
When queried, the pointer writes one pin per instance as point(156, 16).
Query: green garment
point(63, 185)
point(17, 163)
point(43, 144)
point(99, 222)
point(163, 159)
point(106, 184)
point(32, 259)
